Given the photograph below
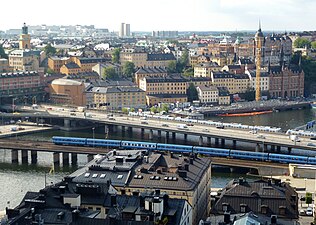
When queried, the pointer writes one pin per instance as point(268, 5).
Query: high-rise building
point(125, 30)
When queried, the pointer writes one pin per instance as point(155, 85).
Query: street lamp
point(93, 135)
point(305, 179)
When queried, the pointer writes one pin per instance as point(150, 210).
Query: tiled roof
point(160, 56)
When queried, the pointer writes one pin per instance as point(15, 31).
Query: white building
point(207, 94)
point(264, 80)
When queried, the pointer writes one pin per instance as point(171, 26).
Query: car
point(111, 118)
point(190, 124)
point(261, 136)
point(253, 132)
point(309, 211)
point(302, 212)
point(220, 127)
point(311, 144)
point(165, 125)
point(205, 130)
point(72, 114)
point(144, 122)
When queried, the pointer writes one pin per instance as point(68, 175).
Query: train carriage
point(287, 158)
point(139, 145)
point(211, 151)
point(175, 148)
point(103, 143)
point(69, 141)
point(248, 155)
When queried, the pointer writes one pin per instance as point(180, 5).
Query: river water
point(16, 180)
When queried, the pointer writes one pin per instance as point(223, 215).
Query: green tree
point(109, 73)
point(302, 43)
point(172, 67)
point(132, 110)
point(184, 59)
point(49, 50)
point(50, 71)
point(189, 72)
point(309, 198)
point(2, 53)
point(153, 109)
point(125, 110)
point(116, 55)
point(192, 93)
point(129, 69)
point(313, 44)
point(165, 107)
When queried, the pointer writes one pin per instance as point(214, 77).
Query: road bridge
point(264, 141)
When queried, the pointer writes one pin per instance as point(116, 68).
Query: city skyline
point(202, 15)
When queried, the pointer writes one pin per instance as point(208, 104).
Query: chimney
point(182, 173)
point(114, 152)
point(191, 161)
point(186, 167)
point(240, 180)
point(274, 219)
point(123, 191)
point(226, 217)
point(75, 214)
point(113, 200)
point(159, 171)
point(269, 182)
point(157, 192)
point(119, 160)
point(141, 201)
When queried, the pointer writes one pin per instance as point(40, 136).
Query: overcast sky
point(148, 15)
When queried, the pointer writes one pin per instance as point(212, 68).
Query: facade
point(286, 81)
point(235, 83)
point(68, 92)
point(25, 38)
point(264, 80)
point(150, 72)
point(100, 68)
point(205, 69)
point(187, 178)
point(55, 63)
point(207, 94)
point(144, 59)
point(119, 97)
point(223, 96)
point(4, 66)
point(21, 84)
point(262, 197)
point(198, 59)
point(70, 68)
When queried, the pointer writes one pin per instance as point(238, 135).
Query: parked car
point(309, 211)
point(261, 136)
point(165, 125)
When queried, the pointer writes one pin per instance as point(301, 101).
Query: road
point(244, 135)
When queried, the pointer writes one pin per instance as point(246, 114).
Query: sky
point(149, 15)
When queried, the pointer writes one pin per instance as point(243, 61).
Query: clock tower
point(25, 38)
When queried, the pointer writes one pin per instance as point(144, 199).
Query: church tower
point(25, 38)
point(259, 38)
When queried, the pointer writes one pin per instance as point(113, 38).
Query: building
point(286, 81)
point(168, 89)
point(235, 83)
point(55, 63)
point(125, 30)
point(70, 68)
point(207, 94)
point(205, 69)
point(260, 197)
point(4, 65)
point(119, 97)
point(78, 202)
point(67, 92)
point(223, 96)
point(235, 68)
point(264, 80)
point(199, 59)
point(22, 86)
point(144, 59)
point(132, 172)
point(150, 72)
point(25, 38)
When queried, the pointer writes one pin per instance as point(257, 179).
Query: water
point(16, 180)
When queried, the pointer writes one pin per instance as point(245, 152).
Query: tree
point(192, 93)
point(153, 109)
point(172, 67)
point(184, 59)
point(109, 73)
point(309, 198)
point(302, 43)
point(313, 44)
point(129, 69)
point(49, 50)
point(165, 107)
point(189, 72)
point(2, 53)
point(125, 110)
point(116, 55)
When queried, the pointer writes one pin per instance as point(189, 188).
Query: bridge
point(264, 141)
point(263, 168)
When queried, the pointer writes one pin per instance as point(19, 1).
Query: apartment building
point(205, 69)
point(207, 94)
point(4, 66)
point(150, 72)
point(235, 83)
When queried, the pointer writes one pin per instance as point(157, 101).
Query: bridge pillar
point(130, 129)
point(216, 141)
point(151, 134)
point(159, 134)
point(265, 147)
point(223, 142)
point(65, 159)
point(201, 141)
point(25, 159)
point(234, 144)
point(185, 137)
point(209, 141)
point(56, 158)
point(123, 128)
point(278, 148)
point(272, 148)
point(289, 149)
point(142, 132)
point(66, 123)
point(73, 123)
point(257, 147)
point(90, 157)
point(33, 157)
point(15, 156)
point(74, 159)
point(173, 135)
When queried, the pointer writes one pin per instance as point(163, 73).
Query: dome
point(69, 82)
point(259, 34)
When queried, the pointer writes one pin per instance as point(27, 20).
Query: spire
point(259, 26)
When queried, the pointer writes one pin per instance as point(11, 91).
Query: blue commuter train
point(216, 152)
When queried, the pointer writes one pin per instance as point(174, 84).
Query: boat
point(245, 114)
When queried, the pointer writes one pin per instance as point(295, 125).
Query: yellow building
point(119, 97)
point(235, 83)
point(150, 72)
point(144, 59)
point(55, 63)
point(25, 38)
point(70, 68)
point(198, 59)
point(223, 96)
point(205, 69)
